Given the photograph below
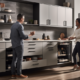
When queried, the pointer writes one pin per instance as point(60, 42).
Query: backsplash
point(52, 32)
point(27, 10)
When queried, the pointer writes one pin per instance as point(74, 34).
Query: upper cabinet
point(44, 14)
point(69, 17)
point(48, 15)
point(54, 16)
point(65, 17)
point(61, 16)
point(53, 12)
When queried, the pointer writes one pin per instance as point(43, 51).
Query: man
point(17, 36)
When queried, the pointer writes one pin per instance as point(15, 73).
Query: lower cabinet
point(50, 52)
point(2, 65)
point(2, 54)
point(34, 64)
point(32, 51)
point(32, 48)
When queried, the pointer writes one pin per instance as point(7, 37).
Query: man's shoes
point(13, 76)
point(21, 76)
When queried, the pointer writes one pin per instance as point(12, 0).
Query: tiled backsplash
point(52, 32)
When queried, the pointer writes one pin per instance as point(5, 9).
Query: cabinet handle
point(31, 51)
point(51, 49)
point(35, 64)
point(49, 44)
point(31, 44)
point(66, 23)
point(31, 48)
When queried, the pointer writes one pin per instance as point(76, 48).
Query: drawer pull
point(31, 48)
point(50, 47)
point(32, 44)
point(35, 64)
point(49, 44)
point(31, 51)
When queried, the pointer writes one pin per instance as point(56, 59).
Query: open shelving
point(23, 24)
point(7, 12)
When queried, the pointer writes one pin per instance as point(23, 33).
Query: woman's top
point(76, 34)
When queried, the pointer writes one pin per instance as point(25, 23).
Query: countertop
point(2, 41)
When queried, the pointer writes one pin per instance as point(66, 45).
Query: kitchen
point(46, 23)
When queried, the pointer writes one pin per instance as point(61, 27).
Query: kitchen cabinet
point(53, 15)
point(2, 65)
point(48, 15)
point(69, 17)
point(61, 16)
point(2, 45)
point(32, 48)
point(8, 45)
point(34, 64)
point(64, 17)
point(2, 54)
point(2, 57)
point(50, 52)
point(44, 14)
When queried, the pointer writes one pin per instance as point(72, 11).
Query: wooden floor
point(59, 73)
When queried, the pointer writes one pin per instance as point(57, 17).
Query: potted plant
point(30, 21)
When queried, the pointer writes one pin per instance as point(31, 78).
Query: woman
point(76, 35)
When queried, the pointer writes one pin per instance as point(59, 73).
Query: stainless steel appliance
point(64, 53)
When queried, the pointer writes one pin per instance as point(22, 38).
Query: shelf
point(7, 12)
point(23, 24)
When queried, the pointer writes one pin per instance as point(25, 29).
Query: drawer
point(8, 45)
point(49, 44)
point(34, 64)
point(2, 45)
point(33, 44)
point(2, 54)
point(32, 51)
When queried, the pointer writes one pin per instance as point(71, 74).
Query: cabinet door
point(53, 15)
point(69, 17)
point(44, 14)
point(50, 52)
point(61, 16)
point(2, 65)
point(2, 54)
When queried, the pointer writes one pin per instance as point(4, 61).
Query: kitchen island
point(42, 53)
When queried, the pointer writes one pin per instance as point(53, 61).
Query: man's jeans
point(17, 59)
